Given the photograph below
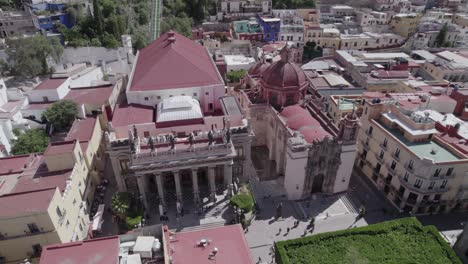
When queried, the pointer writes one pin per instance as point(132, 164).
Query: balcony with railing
point(390, 168)
point(421, 190)
point(183, 150)
point(365, 144)
point(62, 217)
point(379, 158)
point(409, 167)
point(396, 156)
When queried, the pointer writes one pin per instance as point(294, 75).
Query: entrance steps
point(200, 227)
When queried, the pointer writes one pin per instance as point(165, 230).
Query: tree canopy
point(235, 76)
point(440, 38)
point(61, 114)
point(31, 141)
point(27, 57)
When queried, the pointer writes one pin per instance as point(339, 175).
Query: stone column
point(159, 183)
point(228, 178)
point(211, 179)
point(178, 186)
point(196, 192)
point(142, 189)
point(117, 175)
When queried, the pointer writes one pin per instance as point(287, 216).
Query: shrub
point(399, 241)
point(243, 201)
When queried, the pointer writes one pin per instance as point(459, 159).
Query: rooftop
point(25, 203)
point(125, 115)
point(50, 84)
point(178, 108)
point(300, 120)
point(58, 148)
point(82, 129)
point(173, 61)
point(424, 150)
point(14, 164)
point(229, 240)
point(100, 250)
point(98, 95)
point(51, 180)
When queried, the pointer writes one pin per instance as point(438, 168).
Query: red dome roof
point(283, 74)
point(258, 69)
point(299, 119)
point(291, 110)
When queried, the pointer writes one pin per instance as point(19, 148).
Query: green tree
point(31, 141)
point(182, 24)
point(108, 7)
point(98, 19)
point(109, 41)
point(61, 114)
point(243, 201)
point(140, 41)
point(235, 76)
point(440, 38)
point(121, 204)
point(28, 56)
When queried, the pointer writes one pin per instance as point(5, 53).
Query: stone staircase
point(200, 227)
point(349, 204)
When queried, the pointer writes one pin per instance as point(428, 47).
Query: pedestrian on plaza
point(287, 230)
point(259, 260)
point(279, 231)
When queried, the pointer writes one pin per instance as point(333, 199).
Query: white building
point(292, 26)
point(238, 62)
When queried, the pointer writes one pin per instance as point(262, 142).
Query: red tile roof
point(14, 164)
point(50, 180)
point(82, 129)
point(125, 115)
point(101, 250)
point(166, 64)
point(50, 84)
point(92, 95)
point(299, 119)
point(25, 203)
point(57, 148)
point(229, 240)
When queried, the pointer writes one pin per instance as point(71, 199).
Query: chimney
point(171, 38)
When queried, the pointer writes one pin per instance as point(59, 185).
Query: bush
point(399, 241)
point(133, 222)
point(243, 201)
point(235, 76)
point(33, 140)
point(61, 114)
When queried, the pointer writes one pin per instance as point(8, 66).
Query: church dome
point(284, 74)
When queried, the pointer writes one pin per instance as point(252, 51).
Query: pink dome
point(283, 74)
point(291, 110)
point(301, 120)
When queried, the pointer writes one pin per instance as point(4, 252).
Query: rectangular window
point(33, 228)
point(59, 212)
point(146, 134)
point(381, 154)
point(385, 142)
point(418, 183)
point(207, 93)
point(411, 164)
point(397, 153)
point(158, 97)
point(406, 176)
point(146, 98)
point(431, 185)
point(393, 165)
point(81, 227)
point(444, 184)
point(437, 172)
point(449, 172)
point(210, 106)
point(195, 94)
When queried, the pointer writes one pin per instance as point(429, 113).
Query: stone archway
point(317, 183)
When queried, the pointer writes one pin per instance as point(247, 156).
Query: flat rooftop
point(229, 240)
point(429, 149)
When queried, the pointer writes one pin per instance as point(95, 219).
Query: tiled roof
point(47, 181)
point(230, 241)
point(25, 203)
point(92, 95)
point(173, 62)
point(96, 251)
point(50, 84)
point(125, 115)
point(14, 164)
point(299, 119)
point(57, 148)
point(82, 129)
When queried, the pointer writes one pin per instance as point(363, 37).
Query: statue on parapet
point(191, 138)
point(151, 143)
point(228, 136)
point(210, 138)
point(135, 132)
point(172, 141)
